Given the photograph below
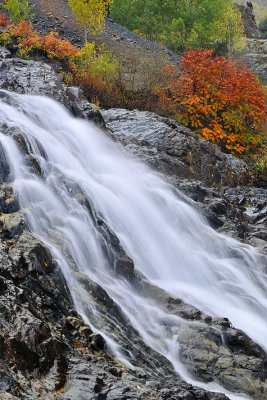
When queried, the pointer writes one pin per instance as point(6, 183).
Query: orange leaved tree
point(218, 98)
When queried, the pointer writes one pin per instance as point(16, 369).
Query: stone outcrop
point(254, 53)
point(208, 353)
point(255, 56)
point(38, 78)
point(249, 22)
point(172, 148)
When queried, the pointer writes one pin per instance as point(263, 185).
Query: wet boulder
point(174, 149)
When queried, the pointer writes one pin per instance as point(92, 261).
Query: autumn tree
point(232, 29)
point(218, 98)
point(90, 14)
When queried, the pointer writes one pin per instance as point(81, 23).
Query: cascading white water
point(169, 242)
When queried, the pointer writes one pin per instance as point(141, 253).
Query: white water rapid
point(170, 243)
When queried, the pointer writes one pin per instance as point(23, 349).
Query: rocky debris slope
point(255, 56)
point(56, 15)
point(46, 350)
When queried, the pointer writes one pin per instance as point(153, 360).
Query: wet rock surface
point(38, 78)
point(46, 350)
point(220, 185)
point(238, 211)
point(225, 356)
point(172, 148)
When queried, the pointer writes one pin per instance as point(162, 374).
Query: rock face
point(46, 350)
point(254, 53)
point(248, 17)
point(212, 179)
point(255, 56)
point(37, 78)
point(172, 148)
point(224, 356)
point(45, 346)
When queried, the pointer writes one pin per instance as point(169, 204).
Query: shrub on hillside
point(99, 61)
point(261, 162)
point(220, 99)
point(94, 69)
point(19, 10)
point(4, 22)
point(97, 72)
point(28, 41)
point(132, 85)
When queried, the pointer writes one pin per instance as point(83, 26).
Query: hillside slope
point(56, 14)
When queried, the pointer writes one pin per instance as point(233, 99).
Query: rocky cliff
point(46, 349)
point(249, 22)
point(254, 53)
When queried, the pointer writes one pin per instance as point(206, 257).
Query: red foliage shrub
point(21, 30)
point(58, 48)
point(219, 98)
point(29, 40)
point(4, 20)
point(107, 93)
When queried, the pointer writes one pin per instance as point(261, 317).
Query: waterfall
point(82, 177)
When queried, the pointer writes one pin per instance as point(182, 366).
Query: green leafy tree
point(90, 14)
point(181, 23)
point(233, 29)
point(19, 10)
